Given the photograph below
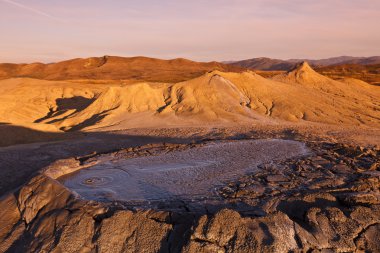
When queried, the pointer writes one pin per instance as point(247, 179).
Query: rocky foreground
point(326, 201)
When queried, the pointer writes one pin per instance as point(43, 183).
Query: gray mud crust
point(188, 175)
point(324, 200)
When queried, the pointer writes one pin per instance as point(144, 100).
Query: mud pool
point(191, 174)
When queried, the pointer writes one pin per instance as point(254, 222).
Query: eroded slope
point(214, 98)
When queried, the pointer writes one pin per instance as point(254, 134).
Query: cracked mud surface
point(191, 174)
point(325, 201)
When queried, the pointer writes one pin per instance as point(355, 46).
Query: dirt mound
point(31, 102)
point(305, 75)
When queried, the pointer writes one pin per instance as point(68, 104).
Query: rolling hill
point(214, 98)
point(115, 68)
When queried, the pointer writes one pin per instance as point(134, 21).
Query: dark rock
point(360, 199)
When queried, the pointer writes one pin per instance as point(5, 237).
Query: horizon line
point(184, 58)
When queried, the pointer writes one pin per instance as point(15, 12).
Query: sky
point(201, 30)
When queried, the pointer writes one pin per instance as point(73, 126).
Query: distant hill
point(264, 64)
point(115, 68)
point(286, 65)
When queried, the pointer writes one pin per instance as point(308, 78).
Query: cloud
point(31, 9)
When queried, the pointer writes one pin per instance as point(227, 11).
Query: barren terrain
point(190, 157)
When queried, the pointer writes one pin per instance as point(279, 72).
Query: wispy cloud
point(31, 9)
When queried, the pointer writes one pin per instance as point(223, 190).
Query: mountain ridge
point(269, 64)
point(115, 68)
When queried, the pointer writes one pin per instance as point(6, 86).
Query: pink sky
point(203, 30)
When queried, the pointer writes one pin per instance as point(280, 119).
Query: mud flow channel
point(190, 174)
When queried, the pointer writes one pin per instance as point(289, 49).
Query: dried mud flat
point(187, 175)
point(326, 199)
